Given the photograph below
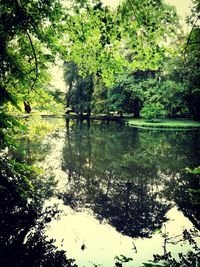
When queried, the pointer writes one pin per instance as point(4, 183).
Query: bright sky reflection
point(103, 242)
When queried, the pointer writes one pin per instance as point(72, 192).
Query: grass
point(165, 123)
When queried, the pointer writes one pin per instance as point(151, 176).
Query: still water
point(121, 188)
point(124, 193)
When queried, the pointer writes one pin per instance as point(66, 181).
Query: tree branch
point(21, 7)
point(188, 39)
point(36, 61)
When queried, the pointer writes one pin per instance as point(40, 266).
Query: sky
point(182, 6)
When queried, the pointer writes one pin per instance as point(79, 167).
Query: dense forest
point(134, 59)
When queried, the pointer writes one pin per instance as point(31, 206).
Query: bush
point(153, 111)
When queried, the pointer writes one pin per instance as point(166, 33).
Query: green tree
point(101, 41)
point(26, 31)
point(191, 57)
point(80, 89)
point(183, 66)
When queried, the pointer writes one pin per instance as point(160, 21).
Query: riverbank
point(142, 123)
point(128, 120)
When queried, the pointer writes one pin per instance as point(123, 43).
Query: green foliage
point(103, 41)
point(184, 66)
point(38, 128)
point(92, 40)
point(194, 171)
point(99, 101)
point(165, 96)
point(195, 190)
point(153, 111)
point(25, 182)
point(114, 62)
point(9, 127)
point(123, 51)
point(120, 97)
point(17, 177)
point(28, 45)
point(142, 74)
point(173, 97)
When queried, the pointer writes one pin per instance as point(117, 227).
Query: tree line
point(132, 59)
point(151, 70)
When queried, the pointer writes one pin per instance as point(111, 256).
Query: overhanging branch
point(36, 61)
point(189, 37)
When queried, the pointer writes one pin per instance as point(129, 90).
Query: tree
point(191, 60)
point(26, 37)
point(162, 97)
point(183, 67)
point(114, 45)
point(71, 75)
point(26, 31)
point(79, 89)
point(103, 42)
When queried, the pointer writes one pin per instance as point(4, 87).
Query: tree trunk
point(68, 96)
point(136, 108)
point(89, 112)
point(196, 108)
point(27, 107)
point(120, 114)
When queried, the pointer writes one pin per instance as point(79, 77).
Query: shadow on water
point(22, 218)
point(22, 239)
point(130, 178)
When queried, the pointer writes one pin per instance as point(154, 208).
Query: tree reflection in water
point(127, 176)
point(22, 219)
point(22, 239)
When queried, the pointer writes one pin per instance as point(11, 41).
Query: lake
point(122, 194)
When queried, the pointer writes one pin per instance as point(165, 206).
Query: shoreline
point(180, 123)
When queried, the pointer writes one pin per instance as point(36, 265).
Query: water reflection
point(116, 187)
point(128, 177)
point(22, 232)
point(103, 243)
point(22, 218)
